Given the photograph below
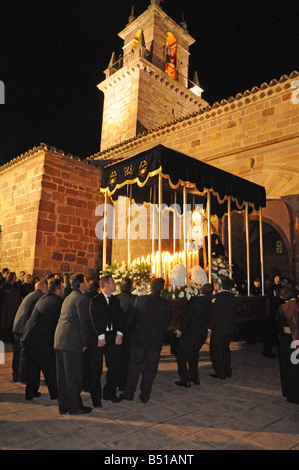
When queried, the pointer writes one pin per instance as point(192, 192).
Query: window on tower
point(170, 56)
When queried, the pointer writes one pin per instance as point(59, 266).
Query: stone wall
point(20, 190)
point(48, 204)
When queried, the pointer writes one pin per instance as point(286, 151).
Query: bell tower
point(148, 85)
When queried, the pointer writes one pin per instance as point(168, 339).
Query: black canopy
point(178, 169)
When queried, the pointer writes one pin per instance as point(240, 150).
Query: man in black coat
point(38, 338)
point(105, 338)
point(192, 334)
point(70, 341)
point(151, 316)
point(222, 327)
point(126, 300)
point(22, 316)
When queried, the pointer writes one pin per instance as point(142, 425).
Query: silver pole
point(160, 223)
point(174, 223)
point(104, 260)
point(247, 247)
point(185, 224)
point(261, 250)
point(229, 229)
point(129, 226)
point(209, 235)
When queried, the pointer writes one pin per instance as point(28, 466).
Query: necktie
point(109, 325)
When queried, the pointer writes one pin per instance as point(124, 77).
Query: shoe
point(63, 412)
point(195, 381)
point(183, 384)
point(54, 397)
point(114, 399)
point(270, 355)
point(144, 399)
point(97, 405)
point(292, 401)
point(123, 397)
point(29, 397)
point(82, 411)
point(215, 376)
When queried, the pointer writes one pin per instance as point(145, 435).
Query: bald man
point(22, 316)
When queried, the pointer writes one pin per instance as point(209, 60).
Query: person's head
point(126, 285)
point(5, 273)
point(56, 287)
point(49, 277)
point(93, 285)
point(227, 284)
point(28, 278)
point(78, 282)
point(42, 286)
point(257, 282)
point(287, 293)
point(207, 289)
point(11, 278)
point(157, 285)
point(107, 284)
point(277, 279)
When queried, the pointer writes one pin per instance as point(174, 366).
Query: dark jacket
point(40, 328)
point(126, 301)
point(25, 310)
point(194, 325)
point(100, 314)
point(149, 317)
point(73, 325)
point(223, 309)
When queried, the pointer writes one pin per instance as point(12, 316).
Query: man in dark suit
point(70, 340)
point(22, 316)
point(222, 326)
point(38, 339)
point(192, 334)
point(126, 300)
point(151, 316)
point(106, 337)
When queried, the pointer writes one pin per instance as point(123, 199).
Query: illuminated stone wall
point(48, 204)
point(254, 135)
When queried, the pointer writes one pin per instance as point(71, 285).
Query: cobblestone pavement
point(246, 412)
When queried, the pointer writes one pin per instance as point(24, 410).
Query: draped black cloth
point(176, 168)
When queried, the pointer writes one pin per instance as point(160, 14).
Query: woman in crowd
point(287, 324)
point(10, 301)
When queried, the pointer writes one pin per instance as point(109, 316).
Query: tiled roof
point(208, 111)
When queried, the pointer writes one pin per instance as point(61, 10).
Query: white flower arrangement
point(219, 269)
point(140, 274)
point(198, 275)
point(178, 275)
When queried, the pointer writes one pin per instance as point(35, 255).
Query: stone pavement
point(246, 412)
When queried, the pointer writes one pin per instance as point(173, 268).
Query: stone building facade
point(48, 200)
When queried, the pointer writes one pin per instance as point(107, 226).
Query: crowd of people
point(67, 326)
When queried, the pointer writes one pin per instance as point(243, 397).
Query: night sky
point(53, 54)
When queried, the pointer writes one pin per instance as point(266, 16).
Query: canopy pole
point(160, 223)
point(129, 227)
point(261, 250)
point(153, 219)
point(104, 260)
point(209, 236)
point(247, 247)
point(185, 225)
point(174, 223)
point(229, 230)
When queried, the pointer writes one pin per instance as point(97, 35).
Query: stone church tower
point(148, 86)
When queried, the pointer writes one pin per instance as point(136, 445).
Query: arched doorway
point(276, 254)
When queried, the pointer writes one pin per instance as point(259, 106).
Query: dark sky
point(53, 54)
